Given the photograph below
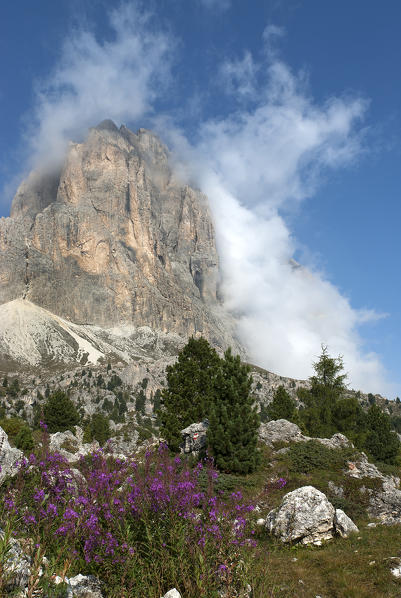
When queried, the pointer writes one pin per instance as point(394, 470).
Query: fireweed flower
point(92, 511)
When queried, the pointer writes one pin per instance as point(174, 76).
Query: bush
point(304, 457)
point(24, 439)
point(18, 432)
point(381, 441)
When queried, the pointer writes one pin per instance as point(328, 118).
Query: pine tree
point(232, 434)
point(60, 413)
point(282, 406)
point(190, 389)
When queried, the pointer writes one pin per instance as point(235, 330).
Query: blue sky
point(219, 77)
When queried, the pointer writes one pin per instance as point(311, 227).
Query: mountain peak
point(107, 125)
point(113, 239)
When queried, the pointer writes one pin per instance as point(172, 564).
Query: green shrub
point(24, 439)
point(304, 457)
point(18, 432)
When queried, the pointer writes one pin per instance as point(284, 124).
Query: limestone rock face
point(114, 239)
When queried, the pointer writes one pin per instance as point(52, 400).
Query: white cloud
point(239, 76)
point(251, 164)
point(117, 79)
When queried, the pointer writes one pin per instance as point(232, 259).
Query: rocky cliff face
point(114, 239)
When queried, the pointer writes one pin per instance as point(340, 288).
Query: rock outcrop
point(308, 517)
point(384, 501)
point(282, 431)
point(114, 240)
point(9, 456)
point(194, 437)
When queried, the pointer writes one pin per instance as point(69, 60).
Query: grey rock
point(17, 565)
point(172, 594)
point(84, 586)
point(363, 469)
point(281, 430)
point(337, 441)
point(343, 525)
point(194, 437)
point(338, 491)
point(385, 505)
point(8, 456)
point(71, 446)
point(116, 230)
point(384, 501)
point(305, 515)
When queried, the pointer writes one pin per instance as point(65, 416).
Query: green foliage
point(202, 385)
point(327, 386)
point(305, 457)
point(98, 429)
point(140, 402)
point(282, 406)
point(190, 389)
point(18, 432)
point(14, 388)
point(24, 439)
point(60, 413)
point(232, 434)
point(381, 441)
point(19, 405)
point(114, 382)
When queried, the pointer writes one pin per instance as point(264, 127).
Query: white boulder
point(307, 516)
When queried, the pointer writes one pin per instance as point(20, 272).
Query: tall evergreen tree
point(60, 413)
point(190, 389)
point(232, 434)
point(327, 386)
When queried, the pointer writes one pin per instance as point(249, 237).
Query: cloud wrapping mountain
point(270, 153)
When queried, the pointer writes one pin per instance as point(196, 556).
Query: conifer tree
point(327, 386)
point(381, 441)
point(282, 406)
point(60, 413)
point(232, 434)
point(190, 389)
